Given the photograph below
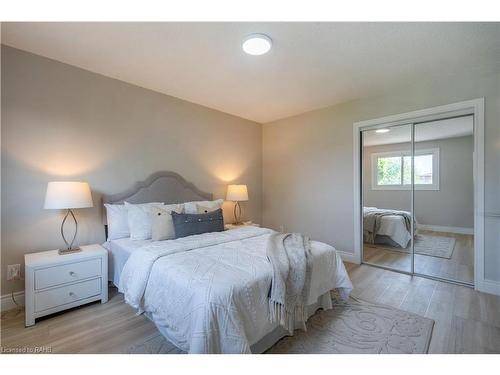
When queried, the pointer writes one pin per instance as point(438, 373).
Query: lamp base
point(237, 214)
point(69, 251)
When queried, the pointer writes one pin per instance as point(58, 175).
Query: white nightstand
point(245, 224)
point(56, 282)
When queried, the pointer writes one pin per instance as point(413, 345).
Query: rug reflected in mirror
point(434, 246)
point(351, 327)
point(430, 245)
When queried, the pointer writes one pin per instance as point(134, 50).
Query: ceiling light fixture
point(257, 44)
point(382, 130)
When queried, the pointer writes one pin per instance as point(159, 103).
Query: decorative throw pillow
point(139, 220)
point(116, 216)
point(191, 207)
point(162, 227)
point(189, 224)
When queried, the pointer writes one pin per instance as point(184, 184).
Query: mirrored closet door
point(418, 198)
point(444, 198)
point(387, 197)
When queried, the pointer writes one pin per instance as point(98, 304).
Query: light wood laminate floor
point(459, 267)
point(466, 321)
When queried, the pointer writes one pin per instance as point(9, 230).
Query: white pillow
point(116, 215)
point(191, 207)
point(201, 209)
point(162, 227)
point(140, 220)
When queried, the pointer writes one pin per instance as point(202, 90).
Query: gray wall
point(452, 205)
point(60, 122)
point(308, 159)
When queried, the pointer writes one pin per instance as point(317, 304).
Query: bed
point(391, 227)
point(208, 293)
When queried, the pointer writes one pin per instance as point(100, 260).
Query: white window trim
point(435, 169)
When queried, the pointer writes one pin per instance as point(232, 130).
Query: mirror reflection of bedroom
point(438, 242)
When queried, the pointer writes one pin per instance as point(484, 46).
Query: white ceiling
point(428, 131)
point(311, 65)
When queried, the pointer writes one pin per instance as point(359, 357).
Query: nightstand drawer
point(67, 294)
point(66, 273)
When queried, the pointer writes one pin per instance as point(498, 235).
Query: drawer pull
point(71, 273)
point(71, 294)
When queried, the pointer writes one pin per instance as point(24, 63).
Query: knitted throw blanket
point(291, 261)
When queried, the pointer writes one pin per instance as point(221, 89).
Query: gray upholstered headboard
point(166, 187)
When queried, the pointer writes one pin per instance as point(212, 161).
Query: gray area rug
point(353, 327)
point(359, 327)
point(434, 246)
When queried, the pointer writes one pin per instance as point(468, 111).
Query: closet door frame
point(473, 107)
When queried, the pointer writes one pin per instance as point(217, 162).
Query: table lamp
point(68, 195)
point(237, 194)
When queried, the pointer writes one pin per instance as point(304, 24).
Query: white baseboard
point(440, 228)
point(348, 257)
point(8, 304)
point(488, 286)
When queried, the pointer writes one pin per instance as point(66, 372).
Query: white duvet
point(209, 293)
point(394, 227)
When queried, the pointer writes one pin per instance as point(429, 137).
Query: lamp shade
point(68, 194)
point(237, 193)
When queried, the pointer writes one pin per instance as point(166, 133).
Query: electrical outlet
point(14, 272)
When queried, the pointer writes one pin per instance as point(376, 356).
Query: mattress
point(392, 227)
point(119, 251)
